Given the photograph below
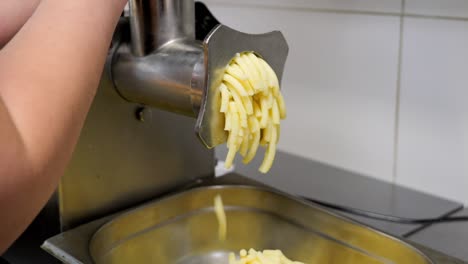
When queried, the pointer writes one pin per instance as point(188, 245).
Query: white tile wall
point(449, 8)
point(339, 84)
point(433, 135)
point(386, 6)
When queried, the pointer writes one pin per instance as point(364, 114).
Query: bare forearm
point(49, 73)
point(15, 170)
point(14, 14)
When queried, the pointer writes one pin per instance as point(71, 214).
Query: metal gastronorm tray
point(182, 228)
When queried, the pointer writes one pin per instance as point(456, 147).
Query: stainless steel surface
point(183, 229)
point(220, 46)
point(73, 245)
point(120, 161)
point(157, 67)
point(140, 37)
point(173, 20)
point(163, 79)
point(154, 23)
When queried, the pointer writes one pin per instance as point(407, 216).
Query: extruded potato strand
point(253, 106)
point(221, 216)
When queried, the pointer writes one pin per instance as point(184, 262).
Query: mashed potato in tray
point(253, 106)
point(252, 256)
point(264, 257)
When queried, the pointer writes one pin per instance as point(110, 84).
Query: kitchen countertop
point(437, 257)
point(449, 238)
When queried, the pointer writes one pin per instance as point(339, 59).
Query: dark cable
point(388, 218)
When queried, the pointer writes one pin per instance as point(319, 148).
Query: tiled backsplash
point(433, 128)
point(370, 91)
point(387, 6)
point(441, 8)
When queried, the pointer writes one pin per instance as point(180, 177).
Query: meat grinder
point(155, 118)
